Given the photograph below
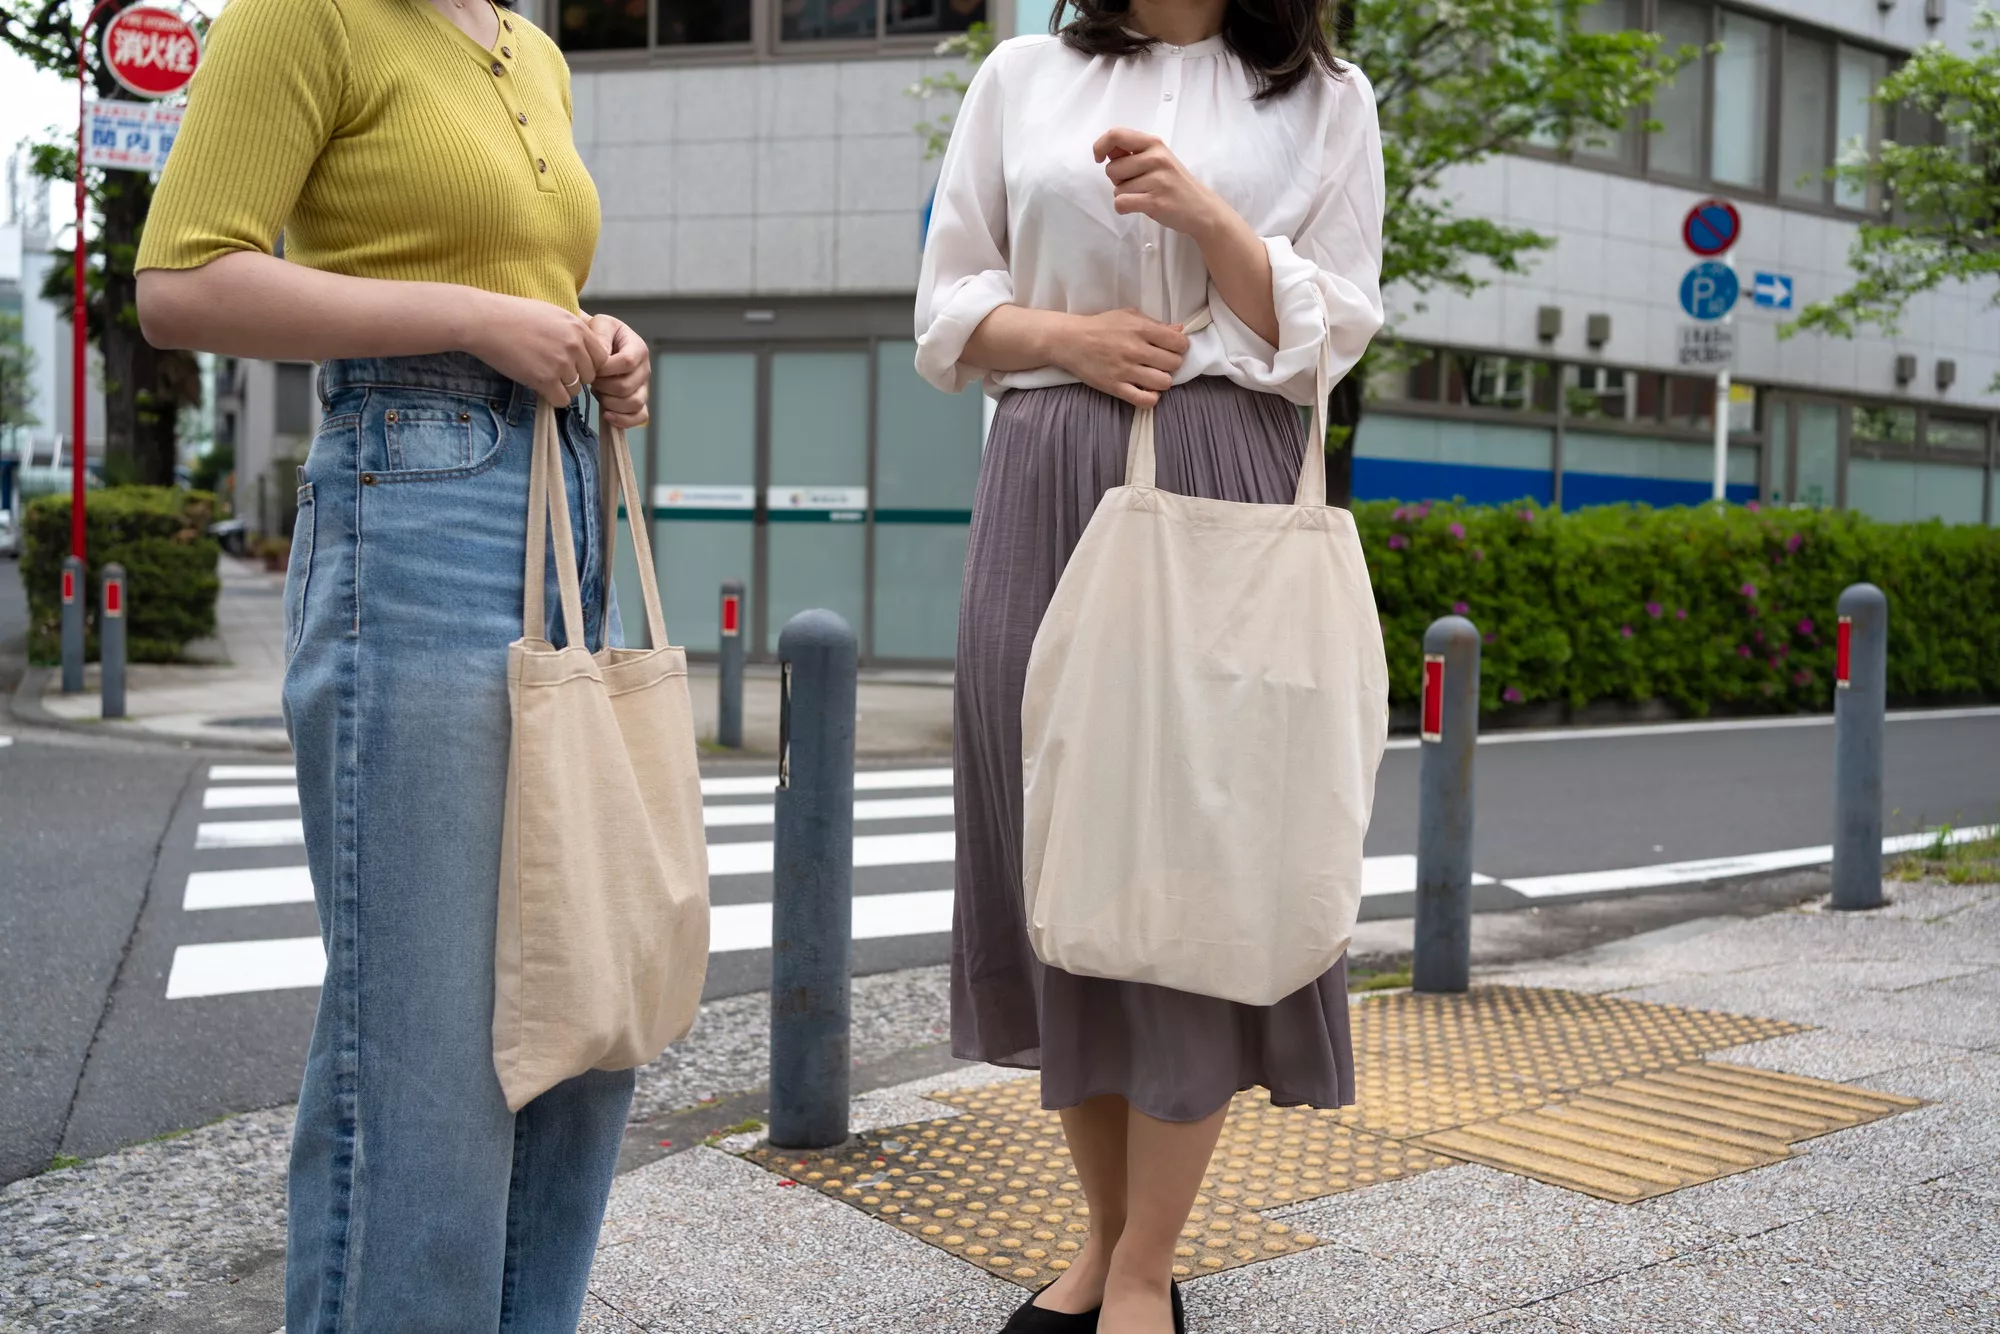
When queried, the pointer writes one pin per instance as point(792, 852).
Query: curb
point(27, 707)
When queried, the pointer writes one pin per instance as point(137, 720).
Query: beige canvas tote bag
point(602, 944)
point(1206, 704)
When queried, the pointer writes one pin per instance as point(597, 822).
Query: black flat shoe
point(1180, 1314)
point(1033, 1319)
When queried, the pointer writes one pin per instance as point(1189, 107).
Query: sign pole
point(79, 368)
point(1722, 409)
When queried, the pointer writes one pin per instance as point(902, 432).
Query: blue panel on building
point(1412, 480)
point(1596, 488)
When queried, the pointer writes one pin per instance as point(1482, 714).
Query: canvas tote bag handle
point(548, 499)
point(1139, 450)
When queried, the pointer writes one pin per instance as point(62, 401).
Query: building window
point(1740, 121)
point(1858, 121)
point(703, 22)
point(1805, 82)
point(1675, 147)
point(686, 25)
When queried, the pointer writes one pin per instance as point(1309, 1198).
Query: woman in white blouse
point(1102, 187)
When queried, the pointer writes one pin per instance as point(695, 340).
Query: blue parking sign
point(1708, 291)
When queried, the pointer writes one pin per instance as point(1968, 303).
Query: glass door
point(816, 489)
point(704, 488)
point(1804, 441)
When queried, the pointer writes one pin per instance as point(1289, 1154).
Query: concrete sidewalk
point(1889, 1225)
point(229, 693)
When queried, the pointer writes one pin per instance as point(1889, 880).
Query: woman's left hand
point(624, 382)
point(1147, 178)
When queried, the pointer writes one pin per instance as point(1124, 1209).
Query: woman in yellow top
point(437, 225)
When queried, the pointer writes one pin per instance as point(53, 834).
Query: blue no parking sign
point(1708, 292)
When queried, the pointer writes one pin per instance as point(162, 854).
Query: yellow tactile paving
point(1637, 1138)
point(1595, 1093)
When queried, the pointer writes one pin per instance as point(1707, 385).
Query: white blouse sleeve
point(1326, 280)
point(964, 275)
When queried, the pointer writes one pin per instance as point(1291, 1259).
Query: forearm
point(1240, 267)
point(254, 305)
point(1016, 338)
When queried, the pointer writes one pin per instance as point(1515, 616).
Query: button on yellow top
point(312, 117)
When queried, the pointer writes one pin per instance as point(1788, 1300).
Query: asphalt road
point(96, 840)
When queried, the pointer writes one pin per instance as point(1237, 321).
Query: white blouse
point(1024, 216)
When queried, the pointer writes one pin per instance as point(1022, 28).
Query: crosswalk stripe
point(259, 888)
point(236, 798)
point(248, 834)
point(237, 966)
point(736, 785)
point(747, 926)
point(894, 808)
point(869, 850)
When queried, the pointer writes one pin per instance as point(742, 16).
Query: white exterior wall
point(1618, 252)
point(799, 178)
point(793, 179)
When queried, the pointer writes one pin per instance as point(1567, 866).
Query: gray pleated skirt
point(1173, 1055)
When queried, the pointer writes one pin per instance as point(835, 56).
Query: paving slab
point(1333, 1288)
point(1823, 1053)
point(1514, 1239)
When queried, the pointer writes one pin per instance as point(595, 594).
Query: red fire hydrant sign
point(152, 52)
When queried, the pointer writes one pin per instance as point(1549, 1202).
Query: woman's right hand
point(1121, 352)
point(534, 343)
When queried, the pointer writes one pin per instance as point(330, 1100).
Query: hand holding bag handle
point(1139, 450)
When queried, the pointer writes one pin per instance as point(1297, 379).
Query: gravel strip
point(103, 1245)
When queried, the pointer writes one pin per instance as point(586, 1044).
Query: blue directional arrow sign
point(1708, 291)
point(1772, 290)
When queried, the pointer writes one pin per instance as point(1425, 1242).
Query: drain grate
point(1636, 1138)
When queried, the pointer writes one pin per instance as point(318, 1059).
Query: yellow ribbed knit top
point(384, 143)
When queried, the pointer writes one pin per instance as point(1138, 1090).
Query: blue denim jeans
point(419, 1204)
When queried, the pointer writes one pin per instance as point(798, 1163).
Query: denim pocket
point(299, 572)
point(433, 439)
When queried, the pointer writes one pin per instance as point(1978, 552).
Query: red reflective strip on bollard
point(114, 597)
point(69, 586)
point(1433, 722)
point(1840, 659)
point(732, 614)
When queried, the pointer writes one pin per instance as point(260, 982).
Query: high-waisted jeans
point(419, 1204)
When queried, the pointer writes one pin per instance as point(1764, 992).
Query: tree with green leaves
point(1940, 218)
point(1456, 81)
point(17, 367)
point(144, 388)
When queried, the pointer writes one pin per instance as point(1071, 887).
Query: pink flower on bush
point(1759, 636)
point(1794, 542)
point(1398, 514)
point(1460, 608)
point(1742, 650)
point(1397, 541)
point(1753, 507)
point(1681, 614)
point(1479, 553)
point(1511, 695)
point(1655, 610)
point(1625, 630)
point(1748, 590)
point(1457, 530)
point(1784, 650)
point(1802, 677)
point(1422, 511)
point(1805, 625)
point(1491, 636)
point(1527, 516)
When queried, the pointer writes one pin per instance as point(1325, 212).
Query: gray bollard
point(812, 909)
point(1450, 728)
point(72, 625)
point(111, 640)
point(729, 674)
point(1861, 670)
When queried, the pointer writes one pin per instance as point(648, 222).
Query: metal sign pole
point(1721, 491)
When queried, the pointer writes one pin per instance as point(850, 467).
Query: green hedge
point(159, 534)
point(1704, 609)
